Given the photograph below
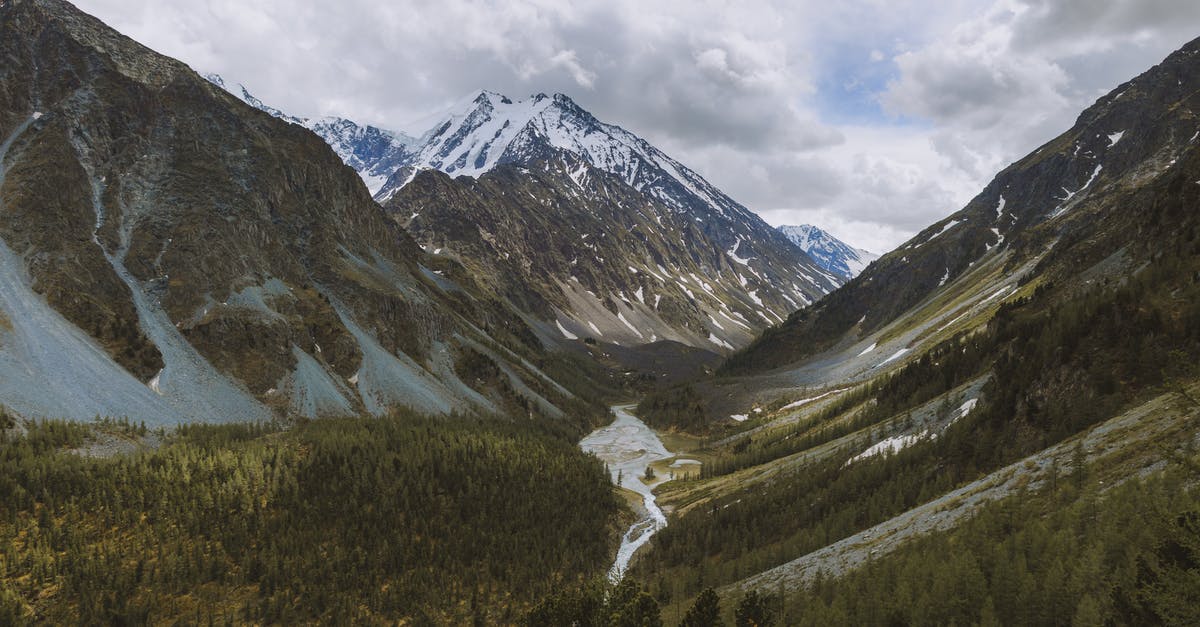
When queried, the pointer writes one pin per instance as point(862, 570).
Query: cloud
point(996, 86)
point(871, 118)
point(567, 59)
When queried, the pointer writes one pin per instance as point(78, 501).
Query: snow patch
point(897, 355)
point(966, 408)
point(805, 401)
point(948, 324)
point(579, 175)
point(1004, 290)
point(734, 320)
point(567, 334)
point(890, 445)
point(719, 342)
point(154, 382)
point(949, 225)
point(897, 443)
point(732, 252)
point(1062, 207)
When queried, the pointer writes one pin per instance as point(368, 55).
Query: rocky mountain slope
point(1059, 311)
point(828, 251)
point(373, 152)
point(592, 257)
point(170, 254)
point(1056, 206)
point(724, 273)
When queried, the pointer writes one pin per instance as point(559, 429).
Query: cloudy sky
point(870, 118)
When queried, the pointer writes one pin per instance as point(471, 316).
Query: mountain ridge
point(828, 251)
point(212, 261)
point(1027, 208)
point(760, 268)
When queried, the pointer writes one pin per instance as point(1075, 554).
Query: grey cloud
point(896, 193)
point(995, 87)
point(787, 179)
point(1088, 25)
point(726, 89)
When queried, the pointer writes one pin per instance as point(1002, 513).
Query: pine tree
point(754, 610)
point(705, 612)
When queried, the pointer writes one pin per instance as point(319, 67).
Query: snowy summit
point(828, 251)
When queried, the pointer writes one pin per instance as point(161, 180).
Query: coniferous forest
point(331, 521)
point(1057, 368)
point(1073, 553)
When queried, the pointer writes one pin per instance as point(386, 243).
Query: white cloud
point(760, 98)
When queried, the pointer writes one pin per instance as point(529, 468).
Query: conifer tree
point(705, 612)
point(754, 610)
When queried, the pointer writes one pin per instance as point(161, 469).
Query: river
point(628, 447)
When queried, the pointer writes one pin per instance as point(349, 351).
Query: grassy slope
point(1100, 327)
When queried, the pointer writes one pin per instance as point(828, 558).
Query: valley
point(628, 448)
point(260, 368)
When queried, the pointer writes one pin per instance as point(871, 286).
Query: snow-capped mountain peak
point(495, 130)
point(828, 251)
point(551, 136)
point(473, 141)
point(487, 129)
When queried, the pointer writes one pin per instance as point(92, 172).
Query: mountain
point(621, 242)
point(543, 176)
point(373, 152)
point(996, 423)
point(1052, 323)
point(828, 251)
point(1053, 209)
point(170, 254)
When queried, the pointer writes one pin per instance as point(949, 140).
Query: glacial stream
point(628, 447)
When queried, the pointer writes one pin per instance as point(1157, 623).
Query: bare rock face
point(580, 248)
point(223, 259)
